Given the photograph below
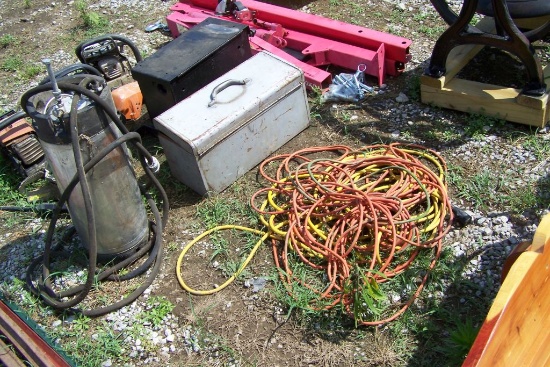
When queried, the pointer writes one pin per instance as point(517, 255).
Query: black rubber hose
point(13, 118)
point(38, 208)
point(155, 243)
point(116, 37)
point(71, 69)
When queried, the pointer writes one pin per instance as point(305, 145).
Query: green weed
point(24, 71)
point(315, 101)
point(430, 31)
point(536, 144)
point(17, 293)
point(30, 71)
point(12, 64)
point(368, 299)
point(479, 188)
point(398, 16)
point(218, 210)
point(297, 296)
point(479, 125)
point(158, 307)
point(7, 40)
point(91, 20)
point(414, 88)
point(91, 350)
point(459, 342)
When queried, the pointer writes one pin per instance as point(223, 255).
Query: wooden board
point(487, 99)
point(515, 332)
point(481, 98)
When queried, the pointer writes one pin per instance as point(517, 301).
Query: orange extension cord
point(361, 218)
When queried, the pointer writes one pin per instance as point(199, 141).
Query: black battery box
point(191, 61)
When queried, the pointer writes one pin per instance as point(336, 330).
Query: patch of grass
point(430, 31)
point(413, 88)
point(315, 101)
point(398, 16)
point(90, 350)
point(29, 71)
point(477, 126)
point(406, 135)
point(445, 135)
point(536, 144)
point(214, 211)
point(479, 188)
point(230, 250)
point(23, 71)
point(296, 295)
point(459, 342)
point(220, 244)
point(522, 198)
point(9, 181)
point(91, 20)
point(158, 307)
point(230, 268)
point(498, 189)
point(7, 40)
point(436, 314)
point(172, 246)
point(12, 64)
point(527, 196)
point(219, 210)
point(27, 4)
point(17, 292)
point(369, 300)
point(420, 16)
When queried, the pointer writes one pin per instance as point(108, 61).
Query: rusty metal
point(35, 349)
point(508, 38)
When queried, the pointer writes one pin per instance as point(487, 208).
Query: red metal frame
point(319, 41)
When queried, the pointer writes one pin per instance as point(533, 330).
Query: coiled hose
point(356, 220)
point(153, 247)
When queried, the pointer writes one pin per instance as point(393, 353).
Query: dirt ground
point(252, 324)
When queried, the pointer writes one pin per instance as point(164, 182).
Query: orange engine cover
point(14, 131)
point(128, 100)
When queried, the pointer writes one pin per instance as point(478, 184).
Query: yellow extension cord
point(264, 235)
point(433, 214)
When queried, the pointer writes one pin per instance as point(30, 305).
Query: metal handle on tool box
point(222, 86)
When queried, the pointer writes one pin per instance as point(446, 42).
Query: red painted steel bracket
point(313, 41)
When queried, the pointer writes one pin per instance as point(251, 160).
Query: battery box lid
point(189, 50)
point(230, 102)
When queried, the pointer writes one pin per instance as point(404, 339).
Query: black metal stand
point(508, 38)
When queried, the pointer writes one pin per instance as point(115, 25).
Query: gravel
point(485, 243)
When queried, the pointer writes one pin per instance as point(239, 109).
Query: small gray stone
point(402, 98)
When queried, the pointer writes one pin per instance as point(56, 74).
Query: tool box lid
point(223, 107)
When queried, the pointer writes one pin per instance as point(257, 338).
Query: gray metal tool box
point(189, 62)
point(226, 128)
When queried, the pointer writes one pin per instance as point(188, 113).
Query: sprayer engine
point(109, 54)
point(20, 145)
